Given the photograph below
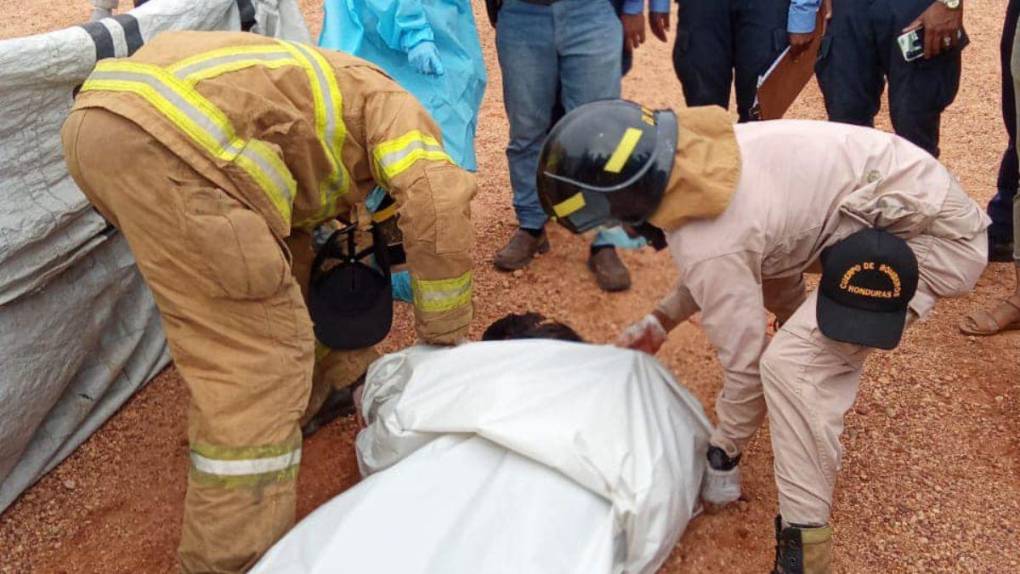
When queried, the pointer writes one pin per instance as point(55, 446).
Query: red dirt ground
point(931, 477)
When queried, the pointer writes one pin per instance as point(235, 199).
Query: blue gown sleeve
point(402, 23)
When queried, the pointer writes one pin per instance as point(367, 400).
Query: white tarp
point(78, 329)
point(514, 456)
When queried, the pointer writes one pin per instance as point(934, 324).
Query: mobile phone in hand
point(912, 44)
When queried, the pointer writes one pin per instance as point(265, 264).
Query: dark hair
point(529, 326)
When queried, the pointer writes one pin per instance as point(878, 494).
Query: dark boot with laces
point(803, 549)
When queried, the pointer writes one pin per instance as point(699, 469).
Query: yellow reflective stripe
point(244, 481)
point(393, 157)
point(262, 149)
point(570, 205)
point(221, 52)
point(234, 66)
point(203, 122)
point(245, 466)
point(436, 296)
point(385, 213)
point(623, 150)
point(330, 129)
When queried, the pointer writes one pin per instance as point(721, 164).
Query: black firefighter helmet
point(607, 162)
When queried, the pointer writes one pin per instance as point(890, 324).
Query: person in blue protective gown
point(431, 48)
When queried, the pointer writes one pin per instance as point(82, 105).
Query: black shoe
point(339, 403)
point(1000, 251)
point(802, 549)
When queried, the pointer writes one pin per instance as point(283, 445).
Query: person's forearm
point(675, 308)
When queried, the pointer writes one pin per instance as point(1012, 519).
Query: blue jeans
point(573, 44)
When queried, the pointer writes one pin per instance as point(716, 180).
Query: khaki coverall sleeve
point(433, 199)
point(733, 317)
point(677, 306)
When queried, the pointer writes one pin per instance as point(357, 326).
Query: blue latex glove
point(425, 58)
point(401, 282)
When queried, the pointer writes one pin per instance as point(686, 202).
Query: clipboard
point(779, 86)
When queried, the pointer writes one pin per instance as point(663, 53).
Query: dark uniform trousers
point(724, 42)
point(860, 53)
point(1000, 208)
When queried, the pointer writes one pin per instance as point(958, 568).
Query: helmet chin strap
point(656, 238)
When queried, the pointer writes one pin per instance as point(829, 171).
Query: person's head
point(529, 326)
point(606, 163)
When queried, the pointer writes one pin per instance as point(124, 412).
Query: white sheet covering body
point(513, 456)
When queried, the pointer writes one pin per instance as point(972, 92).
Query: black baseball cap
point(868, 280)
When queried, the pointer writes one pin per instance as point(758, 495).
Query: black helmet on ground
point(607, 162)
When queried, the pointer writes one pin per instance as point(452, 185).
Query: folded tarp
point(79, 331)
point(512, 456)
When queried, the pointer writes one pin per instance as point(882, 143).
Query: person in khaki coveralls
point(216, 154)
point(746, 210)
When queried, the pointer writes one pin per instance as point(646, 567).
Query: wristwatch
point(951, 4)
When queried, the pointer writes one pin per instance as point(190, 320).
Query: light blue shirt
point(801, 19)
point(802, 16)
point(638, 6)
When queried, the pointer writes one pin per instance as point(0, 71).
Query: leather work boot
point(520, 250)
point(339, 403)
point(610, 273)
point(803, 550)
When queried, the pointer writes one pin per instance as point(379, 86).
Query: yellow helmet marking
point(626, 147)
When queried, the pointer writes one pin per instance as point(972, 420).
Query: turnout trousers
point(859, 53)
point(809, 382)
point(230, 297)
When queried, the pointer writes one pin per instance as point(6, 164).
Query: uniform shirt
point(638, 6)
point(804, 185)
point(802, 16)
point(801, 19)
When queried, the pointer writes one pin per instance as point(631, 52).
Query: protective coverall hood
point(706, 168)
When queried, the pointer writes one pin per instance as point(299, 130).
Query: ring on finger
point(947, 41)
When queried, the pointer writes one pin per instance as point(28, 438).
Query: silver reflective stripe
point(245, 467)
point(222, 139)
point(432, 294)
point(279, 180)
point(395, 157)
point(212, 63)
point(328, 104)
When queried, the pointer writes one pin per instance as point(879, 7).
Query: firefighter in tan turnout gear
point(216, 154)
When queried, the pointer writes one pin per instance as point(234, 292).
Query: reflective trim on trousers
point(231, 467)
point(435, 296)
